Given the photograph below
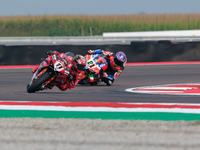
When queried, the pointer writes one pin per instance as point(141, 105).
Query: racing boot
point(61, 84)
point(62, 87)
point(108, 80)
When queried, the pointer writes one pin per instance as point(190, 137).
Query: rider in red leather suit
point(73, 70)
point(76, 73)
point(116, 64)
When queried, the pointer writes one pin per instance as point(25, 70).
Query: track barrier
point(137, 51)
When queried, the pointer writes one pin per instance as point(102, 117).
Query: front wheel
point(38, 83)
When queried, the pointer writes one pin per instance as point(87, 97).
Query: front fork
point(50, 80)
point(41, 73)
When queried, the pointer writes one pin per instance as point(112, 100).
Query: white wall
point(177, 33)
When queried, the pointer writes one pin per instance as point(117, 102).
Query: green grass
point(94, 25)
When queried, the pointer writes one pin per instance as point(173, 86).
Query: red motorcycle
point(49, 73)
point(96, 64)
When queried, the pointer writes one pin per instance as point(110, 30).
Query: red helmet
point(79, 62)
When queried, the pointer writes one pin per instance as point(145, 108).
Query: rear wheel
point(38, 83)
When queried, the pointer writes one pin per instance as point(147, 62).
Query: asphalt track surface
point(52, 134)
point(14, 82)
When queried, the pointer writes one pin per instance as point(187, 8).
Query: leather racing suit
point(113, 71)
point(71, 75)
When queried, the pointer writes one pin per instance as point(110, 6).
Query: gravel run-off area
point(84, 134)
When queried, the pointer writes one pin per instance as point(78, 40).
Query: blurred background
point(92, 17)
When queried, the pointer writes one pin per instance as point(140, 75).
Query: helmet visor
point(117, 62)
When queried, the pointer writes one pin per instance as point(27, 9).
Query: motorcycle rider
point(77, 73)
point(116, 64)
point(74, 66)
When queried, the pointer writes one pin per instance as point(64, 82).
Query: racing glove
point(50, 52)
point(91, 51)
point(98, 51)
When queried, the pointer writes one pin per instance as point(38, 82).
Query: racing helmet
point(79, 62)
point(69, 54)
point(120, 58)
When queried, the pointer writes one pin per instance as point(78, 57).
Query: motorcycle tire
point(37, 84)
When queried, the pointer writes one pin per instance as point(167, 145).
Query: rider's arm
point(115, 74)
point(100, 51)
point(80, 76)
point(52, 52)
point(74, 78)
point(68, 69)
point(118, 71)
